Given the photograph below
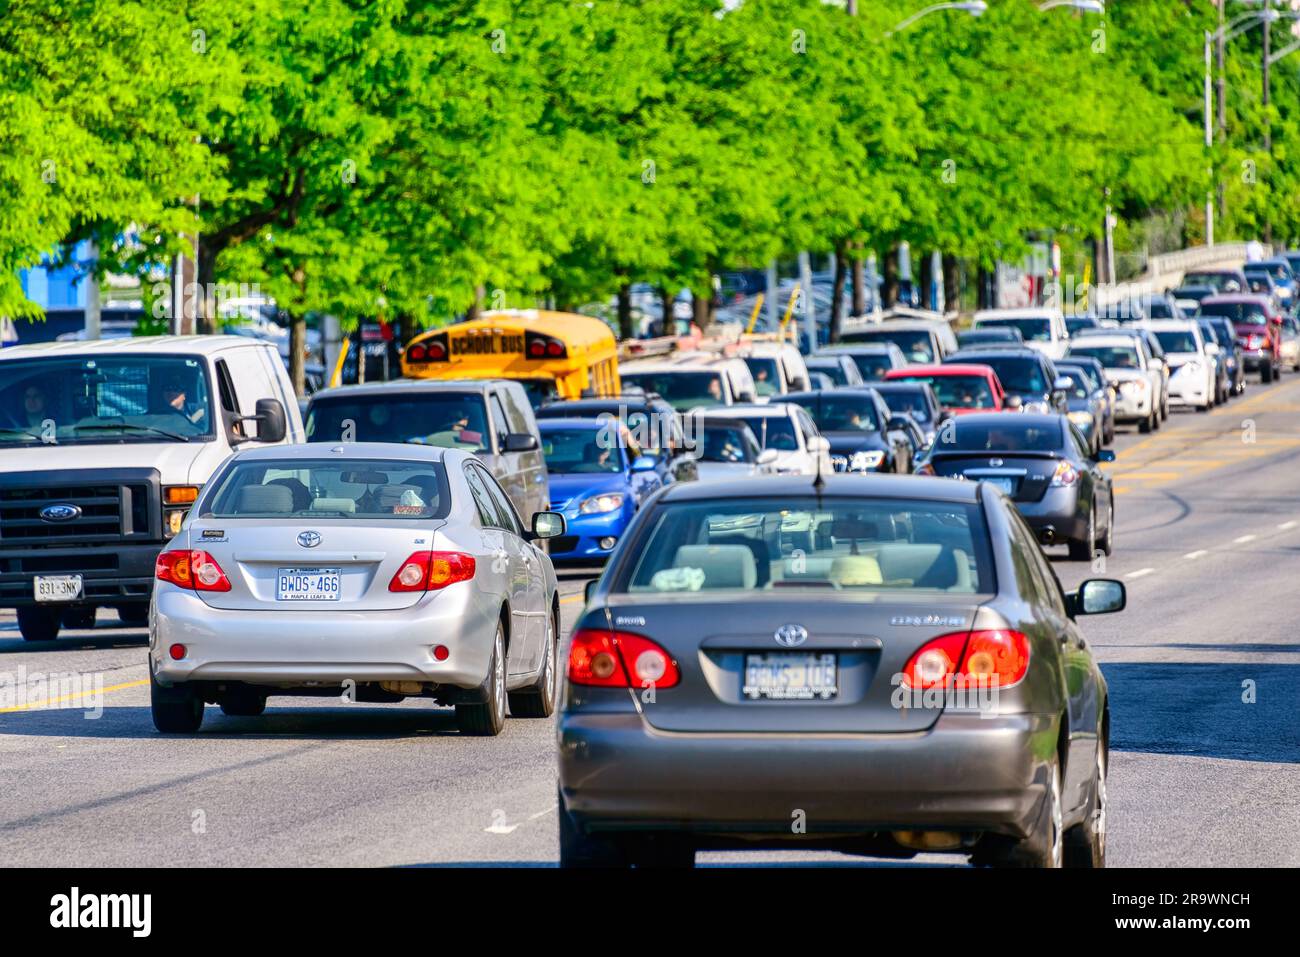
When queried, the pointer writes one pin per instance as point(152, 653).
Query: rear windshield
point(1235, 311)
point(915, 344)
point(682, 390)
point(1032, 330)
point(774, 432)
point(1220, 281)
point(1004, 436)
point(729, 444)
point(959, 391)
point(1177, 341)
point(872, 368)
point(446, 419)
point(310, 488)
point(830, 368)
point(854, 545)
point(1079, 387)
point(1015, 374)
point(908, 400)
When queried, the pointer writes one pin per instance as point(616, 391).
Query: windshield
point(79, 400)
point(1078, 388)
point(1018, 375)
point(730, 444)
point(1032, 330)
point(681, 390)
point(848, 413)
point(359, 488)
point(1177, 341)
point(915, 343)
point(774, 432)
point(872, 368)
point(1236, 311)
point(1218, 281)
point(959, 391)
point(830, 368)
point(1087, 375)
point(767, 376)
point(1111, 357)
point(1074, 325)
point(539, 391)
point(446, 419)
point(1008, 436)
point(573, 451)
point(908, 400)
point(856, 545)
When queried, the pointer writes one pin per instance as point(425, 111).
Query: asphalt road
point(1203, 671)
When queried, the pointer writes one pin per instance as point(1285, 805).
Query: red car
point(1258, 326)
point(960, 388)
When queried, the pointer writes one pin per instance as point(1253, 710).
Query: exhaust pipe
point(1047, 535)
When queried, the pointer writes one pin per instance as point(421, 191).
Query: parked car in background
point(598, 477)
point(726, 449)
point(921, 340)
point(873, 359)
point(1042, 328)
point(1094, 375)
point(837, 366)
point(916, 399)
point(1041, 463)
point(1192, 380)
point(492, 418)
point(961, 388)
point(1257, 324)
point(653, 422)
point(864, 435)
point(1129, 370)
point(1027, 376)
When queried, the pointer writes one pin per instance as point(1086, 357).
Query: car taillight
point(191, 568)
point(1065, 475)
point(992, 658)
point(426, 571)
point(619, 659)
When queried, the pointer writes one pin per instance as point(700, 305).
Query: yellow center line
point(568, 598)
point(36, 705)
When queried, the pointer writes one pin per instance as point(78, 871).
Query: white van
point(105, 446)
point(777, 367)
point(691, 380)
point(1042, 328)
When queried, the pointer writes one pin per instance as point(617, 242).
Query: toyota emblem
point(309, 539)
point(995, 463)
point(60, 512)
point(791, 636)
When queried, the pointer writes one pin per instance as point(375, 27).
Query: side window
point(506, 517)
point(1078, 445)
point(515, 416)
point(229, 399)
point(1049, 588)
point(806, 424)
point(500, 424)
point(486, 509)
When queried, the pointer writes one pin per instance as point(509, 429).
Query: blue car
point(598, 479)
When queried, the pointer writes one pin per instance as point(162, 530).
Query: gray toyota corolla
point(877, 665)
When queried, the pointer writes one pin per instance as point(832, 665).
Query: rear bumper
point(1055, 518)
point(966, 772)
point(1132, 408)
point(1255, 359)
point(111, 574)
point(291, 647)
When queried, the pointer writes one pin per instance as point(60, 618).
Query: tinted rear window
point(447, 419)
point(311, 488)
point(1004, 436)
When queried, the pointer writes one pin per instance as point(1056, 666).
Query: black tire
point(1044, 847)
point(243, 701)
point(486, 718)
point(1266, 373)
point(1081, 549)
point(1145, 425)
point(1107, 543)
point(539, 700)
point(38, 623)
point(581, 850)
point(80, 618)
point(1085, 843)
point(134, 615)
point(658, 850)
point(176, 710)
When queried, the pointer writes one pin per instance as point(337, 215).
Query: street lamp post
point(974, 7)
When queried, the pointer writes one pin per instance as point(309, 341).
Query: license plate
point(308, 584)
point(790, 677)
point(57, 587)
point(1007, 485)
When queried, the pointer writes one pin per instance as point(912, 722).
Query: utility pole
point(1209, 145)
point(770, 301)
point(92, 292)
point(1267, 26)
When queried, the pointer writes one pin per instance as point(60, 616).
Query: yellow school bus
point(553, 354)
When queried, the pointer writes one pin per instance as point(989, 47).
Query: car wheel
point(539, 700)
point(39, 624)
point(486, 718)
point(1044, 847)
point(578, 849)
point(81, 618)
point(243, 701)
point(1266, 373)
point(176, 710)
point(1081, 550)
point(134, 615)
point(1145, 425)
point(581, 850)
point(1107, 543)
point(1085, 843)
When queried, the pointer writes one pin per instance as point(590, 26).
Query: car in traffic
point(839, 367)
point(777, 368)
point(1027, 376)
point(785, 428)
point(1222, 344)
point(1279, 270)
point(920, 340)
point(989, 336)
point(727, 449)
point(961, 388)
point(1044, 464)
point(1094, 377)
point(1290, 347)
point(1220, 280)
point(1153, 355)
point(598, 477)
point(492, 418)
point(864, 435)
point(693, 380)
point(1076, 324)
point(1087, 405)
point(1129, 370)
point(1189, 297)
point(1257, 324)
point(873, 359)
point(721, 685)
point(373, 571)
point(1192, 379)
point(654, 424)
point(917, 400)
point(1041, 327)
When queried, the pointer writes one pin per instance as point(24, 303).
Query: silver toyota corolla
point(881, 665)
point(368, 571)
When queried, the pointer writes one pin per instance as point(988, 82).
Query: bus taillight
point(540, 346)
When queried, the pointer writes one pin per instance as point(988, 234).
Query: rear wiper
point(24, 432)
point(122, 426)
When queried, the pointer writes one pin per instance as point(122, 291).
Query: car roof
point(1040, 419)
point(1010, 352)
point(946, 369)
point(1109, 339)
point(778, 487)
point(400, 451)
point(763, 409)
point(1169, 325)
point(480, 386)
point(1024, 312)
point(859, 390)
point(171, 345)
point(572, 422)
point(848, 348)
point(1236, 297)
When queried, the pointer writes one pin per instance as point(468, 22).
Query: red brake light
point(536, 349)
point(436, 351)
point(996, 658)
point(619, 659)
point(417, 353)
point(1065, 475)
point(554, 349)
point(191, 568)
point(429, 571)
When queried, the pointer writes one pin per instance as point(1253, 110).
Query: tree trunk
point(668, 325)
point(476, 308)
point(625, 330)
point(890, 294)
point(297, 350)
point(205, 320)
point(837, 293)
point(951, 284)
point(700, 311)
point(926, 280)
point(406, 329)
point(859, 286)
point(986, 297)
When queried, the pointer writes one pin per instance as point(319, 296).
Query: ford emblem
point(60, 512)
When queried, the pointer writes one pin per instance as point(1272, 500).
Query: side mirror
point(1062, 384)
point(589, 588)
point(519, 442)
point(272, 425)
point(1099, 596)
point(767, 457)
point(1105, 455)
point(1014, 403)
point(818, 444)
point(645, 463)
point(548, 524)
point(1212, 349)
